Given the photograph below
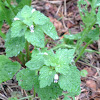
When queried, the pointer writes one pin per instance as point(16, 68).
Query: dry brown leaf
point(91, 84)
point(56, 23)
point(69, 24)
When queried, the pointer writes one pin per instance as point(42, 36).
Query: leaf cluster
point(8, 11)
point(91, 27)
point(21, 32)
point(45, 64)
point(7, 68)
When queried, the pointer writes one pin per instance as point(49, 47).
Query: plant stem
point(34, 93)
point(29, 97)
point(30, 2)
point(89, 50)
point(82, 51)
point(22, 58)
point(63, 46)
point(72, 47)
point(2, 35)
point(79, 43)
point(27, 51)
point(85, 32)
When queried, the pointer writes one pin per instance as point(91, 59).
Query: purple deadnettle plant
point(48, 71)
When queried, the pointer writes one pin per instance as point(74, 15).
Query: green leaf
point(60, 61)
point(84, 8)
point(25, 12)
point(39, 18)
point(50, 30)
point(1, 12)
point(25, 15)
point(88, 17)
point(13, 98)
point(48, 93)
point(50, 58)
point(2, 34)
point(28, 21)
point(5, 13)
point(98, 3)
point(46, 76)
point(98, 16)
point(9, 6)
point(66, 98)
point(14, 45)
point(7, 68)
point(1, 23)
point(65, 56)
point(38, 51)
point(62, 57)
point(62, 69)
point(70, 81)
point(40, 58)
point(83, 73)
point(23, 3)
point(36, 62)
point(18, 1)
point(18, 29)
point(92, 35)
point(25, 78)
point(94, 3)
point(36, 38)
point(35, 52)
point(69, 39)
point(73, 36)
